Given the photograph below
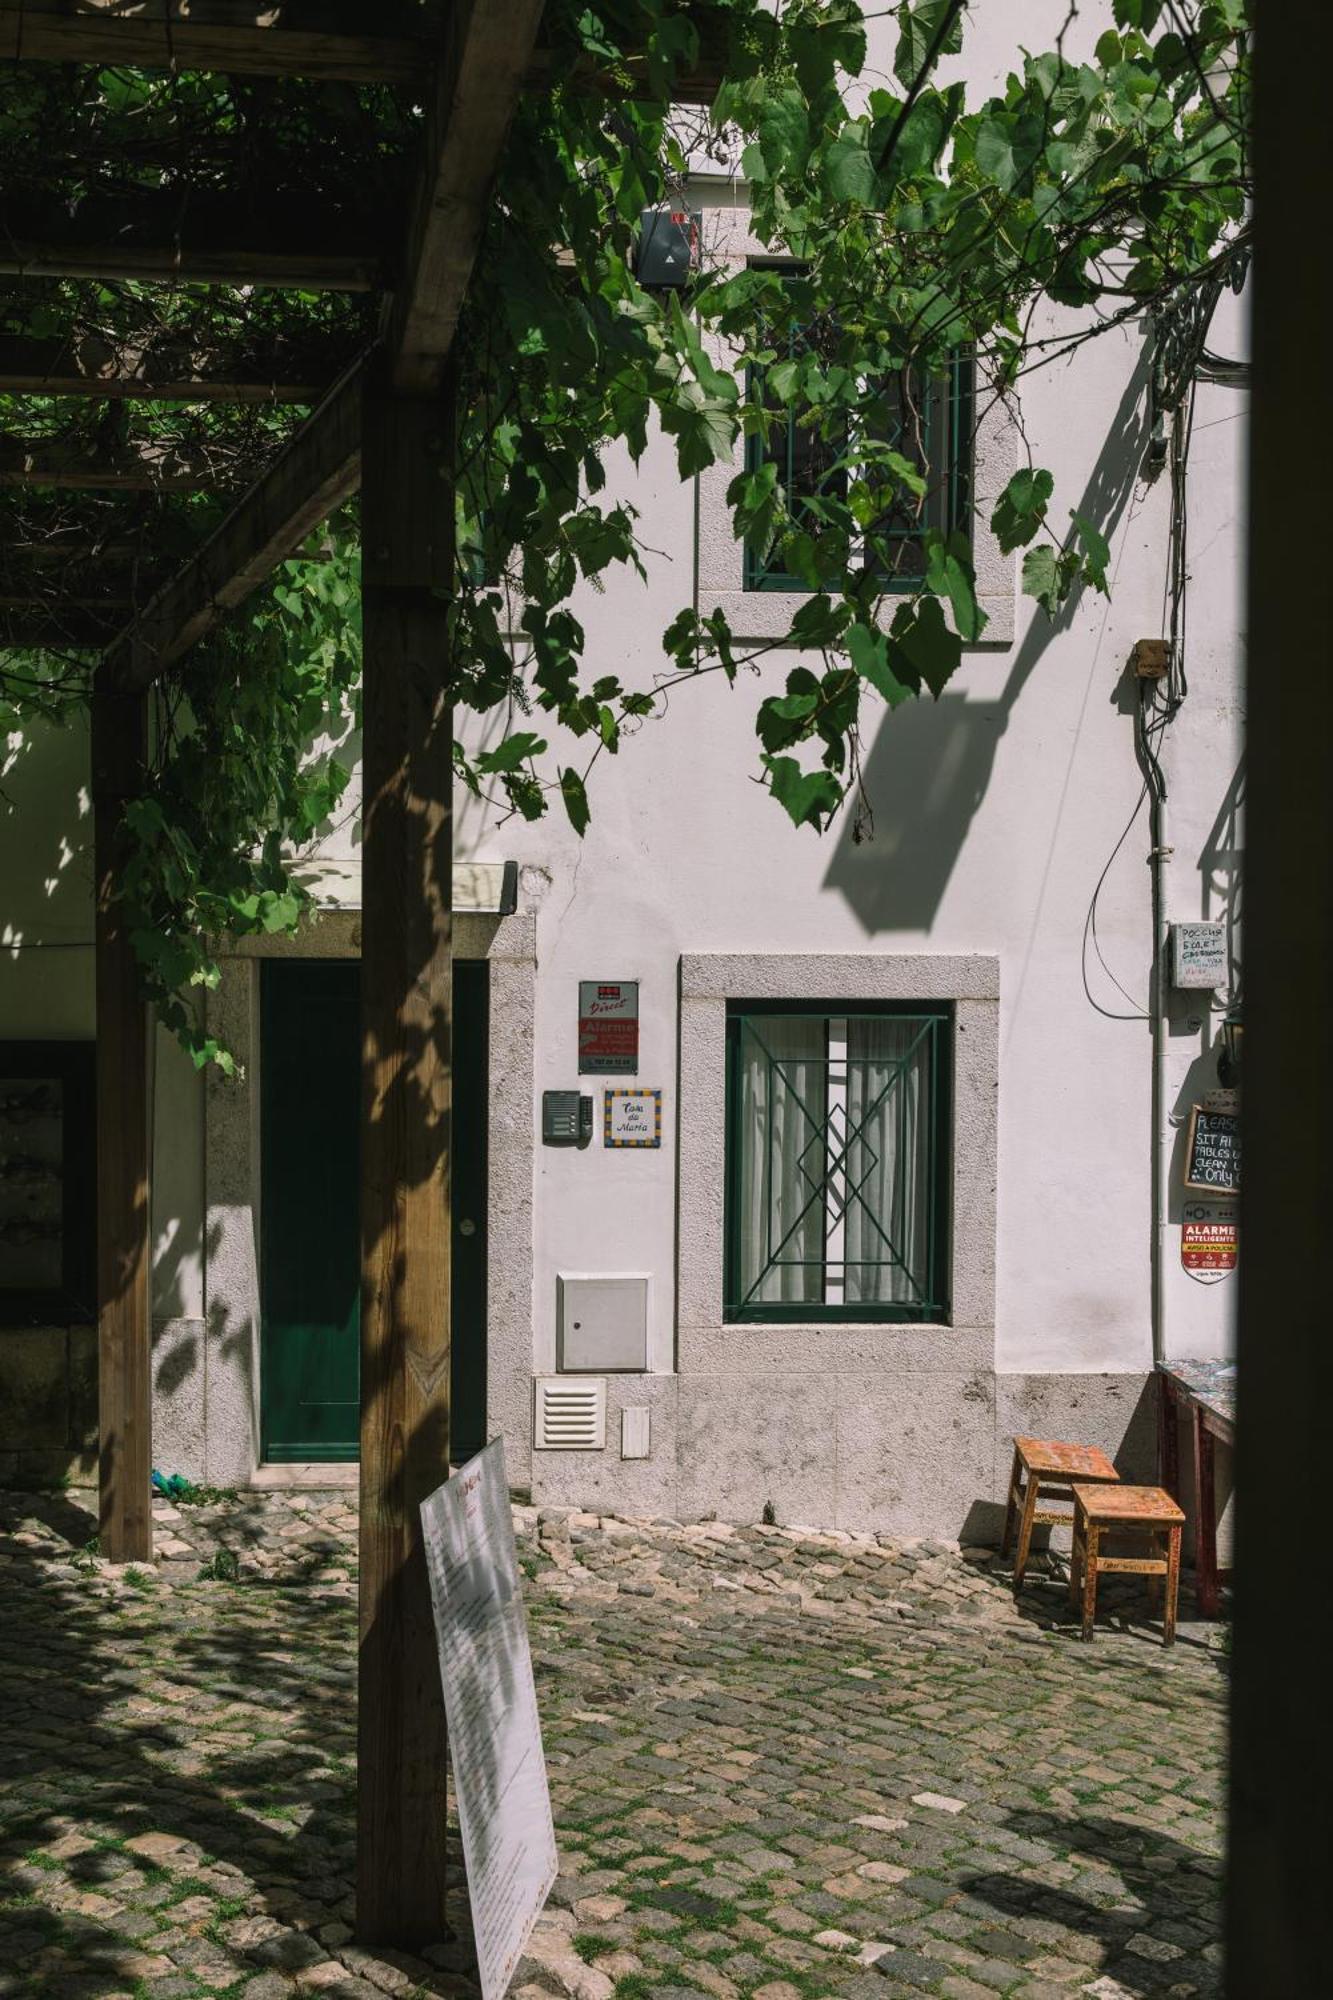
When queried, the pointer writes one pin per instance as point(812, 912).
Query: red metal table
point(1204, 1393)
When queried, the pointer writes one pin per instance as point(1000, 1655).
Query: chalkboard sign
point(1212, 1152)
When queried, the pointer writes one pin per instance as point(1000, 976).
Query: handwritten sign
point(1198, 955)
point(632, 1118)
point(608, 1027)
point(1212, 1152)
point(1208, 1239)
point(504, 1807)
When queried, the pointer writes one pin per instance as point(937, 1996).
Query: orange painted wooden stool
point(1044, 1467)
point(1145, 1510)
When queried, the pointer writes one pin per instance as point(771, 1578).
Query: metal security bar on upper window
point(838, 1163)
point(927, 419)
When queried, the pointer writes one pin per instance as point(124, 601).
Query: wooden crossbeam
point(326, 43)
point(479, 78)
point(63, 631)
point(34, 601)
point(161, 370)
point(183, 236)
point(316, 471)
point(131, 468)
point(284, 38)
point(297, 270)
point(112, 589)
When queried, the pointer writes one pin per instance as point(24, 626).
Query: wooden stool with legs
point(1046, 1469)
point(1143, 1510)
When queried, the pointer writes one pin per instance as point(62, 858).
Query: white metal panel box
point(602, 1322)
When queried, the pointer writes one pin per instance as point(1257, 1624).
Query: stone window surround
point(232, 1183)
point(705, 1342)
point(767, 614)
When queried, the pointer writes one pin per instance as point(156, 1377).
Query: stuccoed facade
point(998, 815)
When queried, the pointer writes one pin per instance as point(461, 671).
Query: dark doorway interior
point(310, 1265)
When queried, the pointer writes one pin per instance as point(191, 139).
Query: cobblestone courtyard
point(782, 1765)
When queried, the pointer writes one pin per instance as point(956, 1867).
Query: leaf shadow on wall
point(931, 761)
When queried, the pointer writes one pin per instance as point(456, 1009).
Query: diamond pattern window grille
point(926, 418)
point(837, 1163)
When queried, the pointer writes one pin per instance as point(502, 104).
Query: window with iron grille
point(926, 418)
point(838, 1161)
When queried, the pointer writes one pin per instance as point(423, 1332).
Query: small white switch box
point(602, 1322)
point(635, 1432)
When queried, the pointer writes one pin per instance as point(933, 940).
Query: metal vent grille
point(570, 1416)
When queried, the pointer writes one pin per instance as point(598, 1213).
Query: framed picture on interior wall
point(48, 1208)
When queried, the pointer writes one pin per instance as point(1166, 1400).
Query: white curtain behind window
point(888, 1102)
point(782, 1098)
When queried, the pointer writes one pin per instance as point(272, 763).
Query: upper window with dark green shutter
point(925, 418)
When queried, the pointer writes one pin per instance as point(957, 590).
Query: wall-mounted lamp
point(1228, 1056)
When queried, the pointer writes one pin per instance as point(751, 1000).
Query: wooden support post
point(119, 743)
point(1281, 1755)
point(407, 508)
point(1168, 1436)
point(1207, 1589)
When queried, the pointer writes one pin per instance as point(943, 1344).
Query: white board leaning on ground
point(504, 1806)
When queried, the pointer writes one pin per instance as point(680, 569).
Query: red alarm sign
point(608, 1027)
point(1208, 1240)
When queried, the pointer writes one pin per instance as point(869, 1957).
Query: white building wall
point(996, 811)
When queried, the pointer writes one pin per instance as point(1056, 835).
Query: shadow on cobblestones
point(1149, 1901)
point(1123, 1609)
point(171, 1753)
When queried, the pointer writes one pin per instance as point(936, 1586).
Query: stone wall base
point(920, 1454)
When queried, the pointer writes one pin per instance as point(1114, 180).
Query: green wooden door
point(310, 1266)
point(467, 1392)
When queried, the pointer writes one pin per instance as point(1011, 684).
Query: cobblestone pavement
point(783, 1765)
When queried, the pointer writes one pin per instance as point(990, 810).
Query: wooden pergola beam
point(130, 468)
point(187, 234)
point(160, 371)
point(317, 470)
point(269, 38)
point(110, 591)
point(327, 44)
point(55, 630)
point(54, 602)
point(480, 75)
point(353, 269)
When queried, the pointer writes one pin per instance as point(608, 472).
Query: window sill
point(765, 613)
point(933, 1318)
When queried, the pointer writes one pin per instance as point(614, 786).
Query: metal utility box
point(668, 250)
point(1199, 955)
point(602, 1322)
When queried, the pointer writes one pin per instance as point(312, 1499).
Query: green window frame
point(839, 1123)
point(807, 467)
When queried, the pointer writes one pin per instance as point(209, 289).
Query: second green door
point(310, 1265)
